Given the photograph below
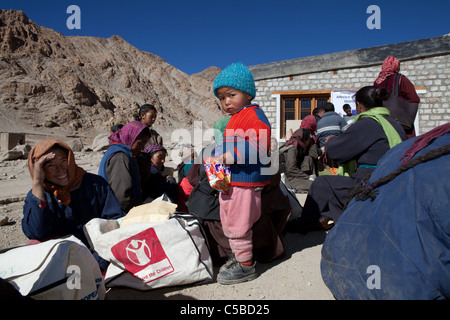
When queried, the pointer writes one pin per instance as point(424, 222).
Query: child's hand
point(227, 158)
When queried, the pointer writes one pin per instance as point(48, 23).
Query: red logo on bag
point(143, 255)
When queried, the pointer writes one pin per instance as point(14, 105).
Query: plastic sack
point(147, 255)
point(219, 174)
point(60, 269)
point(396, 246)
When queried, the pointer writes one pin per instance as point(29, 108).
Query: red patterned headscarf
point(391, 65)
point(75, 172)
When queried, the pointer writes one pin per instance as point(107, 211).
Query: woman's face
point(139, 145)
point(56, 169)
point(149, 118)
point(158, 159)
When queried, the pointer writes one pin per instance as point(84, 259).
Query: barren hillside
point(51, 84)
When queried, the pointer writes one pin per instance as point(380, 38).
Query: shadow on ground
point(294, 242)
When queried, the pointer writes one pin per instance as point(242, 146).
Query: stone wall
point(429, 72)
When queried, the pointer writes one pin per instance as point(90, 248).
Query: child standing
point(245, 148)
point(147, 115)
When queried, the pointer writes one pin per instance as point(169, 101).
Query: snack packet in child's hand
point(219, 175)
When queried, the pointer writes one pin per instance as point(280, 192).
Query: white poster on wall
point(341, 97)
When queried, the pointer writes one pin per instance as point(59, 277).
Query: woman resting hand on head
point(64, 197)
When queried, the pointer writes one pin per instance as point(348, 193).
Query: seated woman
point(372, 134)
point(310, 123)
point(299, 166)
point(64, 197)
point(118, 165)
point(157, 183)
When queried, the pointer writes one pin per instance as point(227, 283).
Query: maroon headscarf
point(310, 123)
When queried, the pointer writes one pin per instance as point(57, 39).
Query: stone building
point(289, 90)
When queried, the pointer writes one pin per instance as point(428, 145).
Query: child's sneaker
point(236, 273)
point(231, 260)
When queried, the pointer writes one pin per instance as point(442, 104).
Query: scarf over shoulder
point(296, 140)
point(378, 114)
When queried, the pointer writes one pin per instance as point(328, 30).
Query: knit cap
point(236, 76)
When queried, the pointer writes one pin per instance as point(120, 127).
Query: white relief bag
point(60, 269)
point(148, 255)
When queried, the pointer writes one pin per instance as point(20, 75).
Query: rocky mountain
point(68, 86)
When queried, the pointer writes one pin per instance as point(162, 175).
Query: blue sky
point(193, 35)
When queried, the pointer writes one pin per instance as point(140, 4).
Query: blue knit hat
point(236, 76)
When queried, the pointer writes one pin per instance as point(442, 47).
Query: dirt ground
point(295, 277)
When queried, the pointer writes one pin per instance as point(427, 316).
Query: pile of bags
point(153, 246)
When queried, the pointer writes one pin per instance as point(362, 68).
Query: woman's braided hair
point(366, 190)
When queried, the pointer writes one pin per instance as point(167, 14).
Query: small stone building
point(289, 90)
point(9, 140)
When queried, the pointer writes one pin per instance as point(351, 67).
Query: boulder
point(76, 145)
point(100, 142)
point(20, 151)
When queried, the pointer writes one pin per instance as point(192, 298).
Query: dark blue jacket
point(158, 185)
point(129, 195)
point(397, 245)
point(93, 199)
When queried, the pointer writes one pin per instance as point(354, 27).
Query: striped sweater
point(247, 137)
point(331, 123)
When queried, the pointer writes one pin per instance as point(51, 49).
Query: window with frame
point(296, 106)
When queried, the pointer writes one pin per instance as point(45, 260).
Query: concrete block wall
point(425, 62)
point(431, 75)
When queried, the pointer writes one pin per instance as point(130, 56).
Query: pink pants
point(239, 210)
